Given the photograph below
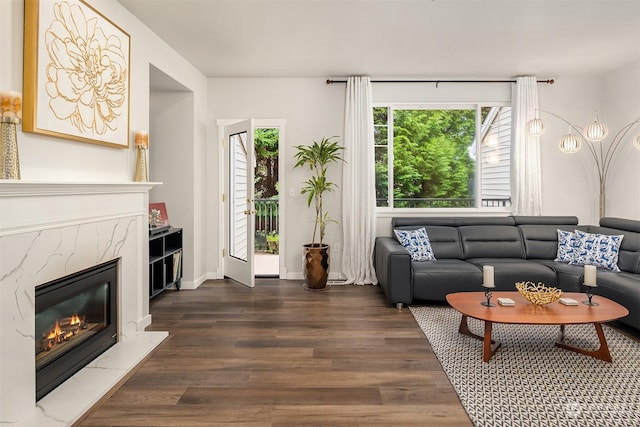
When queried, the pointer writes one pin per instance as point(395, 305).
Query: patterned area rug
point(530, 382)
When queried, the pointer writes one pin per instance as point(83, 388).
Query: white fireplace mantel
point(31, 188)
point(49, 230)
point(38, 205)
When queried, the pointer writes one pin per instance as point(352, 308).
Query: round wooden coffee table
point(524, 312)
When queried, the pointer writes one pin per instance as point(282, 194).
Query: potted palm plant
point(317, 157)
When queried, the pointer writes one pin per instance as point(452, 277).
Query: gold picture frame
point(76, 73)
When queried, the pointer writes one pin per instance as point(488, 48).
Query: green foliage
point(273, 242)
point(267, 242)
point(317, 157)
point(266, 177)
point(431, 157)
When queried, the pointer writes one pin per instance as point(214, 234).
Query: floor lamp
point(593, 136)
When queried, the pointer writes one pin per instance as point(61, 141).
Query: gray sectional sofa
point(521, 248)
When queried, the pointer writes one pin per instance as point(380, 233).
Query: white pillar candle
point(590, 275)
point(487, 276)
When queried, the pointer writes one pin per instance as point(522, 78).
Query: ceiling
point(397, 38)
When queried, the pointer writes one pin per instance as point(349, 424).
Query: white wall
point(312, 110)
point(443, 92)
point(569, 181)
point(45, 158)
point(622, 105)
point(170, 164)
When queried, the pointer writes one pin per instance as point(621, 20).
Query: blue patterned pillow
point(600, 250)
point(566, 246)
point(417, 243)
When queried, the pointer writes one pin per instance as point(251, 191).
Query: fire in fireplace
point(58, 334)
point(62, 333)
point(76, 321)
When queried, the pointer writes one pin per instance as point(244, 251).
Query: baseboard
point(334, 278)
point(295, 276)
point(200, 280)
point(215, 275)
point(184, 284)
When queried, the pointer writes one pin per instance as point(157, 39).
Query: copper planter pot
point(315, 259)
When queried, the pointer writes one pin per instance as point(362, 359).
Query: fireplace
point(84, 224)
point(75, 322)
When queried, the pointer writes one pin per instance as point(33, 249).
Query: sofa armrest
point(393, 269)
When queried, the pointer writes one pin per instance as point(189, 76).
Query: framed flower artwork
point(76, 73)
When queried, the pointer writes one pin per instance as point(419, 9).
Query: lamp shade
point(596, 131)
point(570, 144)
point(636, 142)
point(535, 127)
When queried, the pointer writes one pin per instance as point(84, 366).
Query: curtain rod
point(437, 82)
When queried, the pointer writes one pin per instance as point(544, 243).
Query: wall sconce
point(10, 116)
point(141, 141)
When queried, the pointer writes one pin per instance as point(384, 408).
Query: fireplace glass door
point(75, 322)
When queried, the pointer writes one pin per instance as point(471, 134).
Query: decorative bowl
point(538, 294)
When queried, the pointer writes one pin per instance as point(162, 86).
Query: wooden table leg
point(489, 346)
point(601, 353)
point(464, 328)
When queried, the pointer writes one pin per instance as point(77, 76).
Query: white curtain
point(526, 183)
point(358, 184)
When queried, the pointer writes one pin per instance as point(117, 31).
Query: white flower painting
point(81, 80)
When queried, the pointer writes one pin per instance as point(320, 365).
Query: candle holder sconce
point(10, 117)
point(141, 140)
point(488, 294)
point(141, 174)
point(588, 289)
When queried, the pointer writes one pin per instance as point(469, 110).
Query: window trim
point(479, 210)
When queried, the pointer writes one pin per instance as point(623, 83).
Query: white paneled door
point(239, 209)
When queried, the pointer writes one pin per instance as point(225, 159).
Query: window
point(429, 156)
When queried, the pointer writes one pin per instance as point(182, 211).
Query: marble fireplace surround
point(49, 230)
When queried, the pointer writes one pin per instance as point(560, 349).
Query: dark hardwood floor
point(278, 355)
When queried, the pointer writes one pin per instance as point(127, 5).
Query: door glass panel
point(238, 205)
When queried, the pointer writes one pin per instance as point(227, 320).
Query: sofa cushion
point(545, 220)
point(417, 243)
point(445, 241)
point(540, 234)
point(623, 288)
point(600, 250)
point(620, 224)
point(629, 257)
point(568, 277)
point(420, 221)
point(491, 241)
point(433, 280)
point(508, 271)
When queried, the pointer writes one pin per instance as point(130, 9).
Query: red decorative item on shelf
point(158, 218)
